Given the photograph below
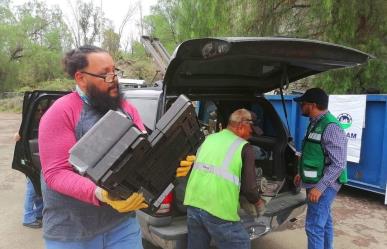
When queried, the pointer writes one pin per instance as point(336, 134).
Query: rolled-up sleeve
point(56, 137)
point(249, 187)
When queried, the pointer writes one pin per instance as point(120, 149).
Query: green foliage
point(138, 51)
point(142, 69)
point(88, 23)
point(111, 42)
point(162, 23)
point(138, 65)
point(11, 104)
point(15, 104)
point(361, 24)
point(32, 49)
point(34, 36)
point(57, 85)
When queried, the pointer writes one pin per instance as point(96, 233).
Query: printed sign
point(350, 111)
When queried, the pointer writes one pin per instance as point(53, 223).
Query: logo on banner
point(345, 120)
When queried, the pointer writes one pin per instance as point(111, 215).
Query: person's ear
point(81, 80)
point(239, 129)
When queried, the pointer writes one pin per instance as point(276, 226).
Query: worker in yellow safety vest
point(224, 169)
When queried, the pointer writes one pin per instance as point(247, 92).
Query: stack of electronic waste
point(120, 158)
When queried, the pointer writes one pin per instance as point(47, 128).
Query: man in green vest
point(223, 169)
point(322, 166)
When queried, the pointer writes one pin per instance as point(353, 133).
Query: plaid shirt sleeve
point(334, 142)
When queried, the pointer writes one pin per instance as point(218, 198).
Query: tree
point(31, 49)
point(162, 23)
point(174, 21)
point(86, 23)
point(111, 42)
point(112, 39)
point(360, 24)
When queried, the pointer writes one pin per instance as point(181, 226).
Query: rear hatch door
point(251, 65)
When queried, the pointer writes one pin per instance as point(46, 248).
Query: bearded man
point(77, 213)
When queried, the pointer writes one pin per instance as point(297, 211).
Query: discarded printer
point(118, 157)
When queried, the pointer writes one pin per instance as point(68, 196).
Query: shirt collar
point(317, 118)
point(82, 94)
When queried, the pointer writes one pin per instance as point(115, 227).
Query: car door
point(26, 153)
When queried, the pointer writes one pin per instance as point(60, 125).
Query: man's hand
point(260, 203)
point(297, 180)
point(185, 166)
point(260, 206)
point(134, 202)
point(314, 195)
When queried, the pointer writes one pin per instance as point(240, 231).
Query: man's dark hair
point(75, 59)
point(322, 107)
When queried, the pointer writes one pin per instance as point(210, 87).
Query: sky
point(114, 10)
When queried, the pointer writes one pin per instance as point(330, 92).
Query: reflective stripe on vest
point(314, 136)
point(223, 171)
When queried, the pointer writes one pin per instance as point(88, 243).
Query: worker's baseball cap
point(314, 95)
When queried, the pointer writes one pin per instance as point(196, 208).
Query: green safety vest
point(214, 183)
point(313, 159)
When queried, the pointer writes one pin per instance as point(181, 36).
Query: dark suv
point(219, 76)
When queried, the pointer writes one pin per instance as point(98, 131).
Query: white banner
point(385, 196)
point(350, 111)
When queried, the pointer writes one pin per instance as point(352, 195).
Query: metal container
point(371, 171)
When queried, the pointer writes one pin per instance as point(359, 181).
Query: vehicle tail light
point(166, 205)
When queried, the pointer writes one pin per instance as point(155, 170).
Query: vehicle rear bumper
point(171, 235)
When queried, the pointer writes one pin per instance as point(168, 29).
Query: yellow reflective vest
point(214, 183)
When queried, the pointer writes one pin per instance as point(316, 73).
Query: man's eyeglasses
point(248, 121)
point(109, 77)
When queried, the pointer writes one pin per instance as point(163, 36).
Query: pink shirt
point(57, 136)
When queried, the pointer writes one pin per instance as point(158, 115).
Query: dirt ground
point(360, 217)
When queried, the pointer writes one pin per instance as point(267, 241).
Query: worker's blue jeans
point(202, 227)
point(318, 223)
point(33, 204)
point(127, 235)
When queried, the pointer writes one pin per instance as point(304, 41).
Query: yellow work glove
point(185, 166)
point(134, 202)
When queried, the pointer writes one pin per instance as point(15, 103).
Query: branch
point(279, 4)
point(300, 6)
point(76, 34)
point(128, 16)
point(15, 55)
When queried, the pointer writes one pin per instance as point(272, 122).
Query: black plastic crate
point(133, 161)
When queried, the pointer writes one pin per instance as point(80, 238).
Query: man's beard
point(102, 102)
point(305, 112)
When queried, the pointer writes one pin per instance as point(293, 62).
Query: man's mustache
point(113, 87)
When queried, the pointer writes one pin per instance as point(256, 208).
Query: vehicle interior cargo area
point(120, 158)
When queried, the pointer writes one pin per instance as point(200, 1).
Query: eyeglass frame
point(249, 121)
point(117, 74)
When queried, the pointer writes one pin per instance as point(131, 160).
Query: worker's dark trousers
point(202, 227)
